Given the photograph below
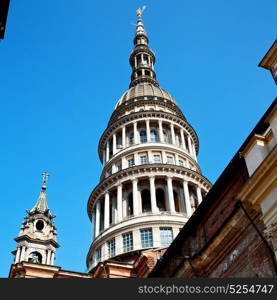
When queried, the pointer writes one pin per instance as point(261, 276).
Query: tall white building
point(151, 182)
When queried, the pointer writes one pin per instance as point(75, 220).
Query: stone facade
point(233, 232)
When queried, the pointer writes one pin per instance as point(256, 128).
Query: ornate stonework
point(151, 182)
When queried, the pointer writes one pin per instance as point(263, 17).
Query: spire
point(142, 58)
point(41, 204)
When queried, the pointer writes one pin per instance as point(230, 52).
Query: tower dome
point(144, 91)
point(151, 182)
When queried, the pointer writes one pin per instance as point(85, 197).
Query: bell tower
point(37, 239)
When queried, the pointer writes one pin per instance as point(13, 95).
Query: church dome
point(144, 89)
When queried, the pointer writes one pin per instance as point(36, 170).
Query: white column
point(190, 147)
point(161, 135)
point(135, 197)
point(107, 211)
point(170, 195)
point(114, 144)
point(17, 255)
point(148, 130)
point(187, 200)
point(194, 151)
point(47, 256)
point(93, 225)
point(154, 207)
point(183, 139)
point(135, 133)
point(97, 219)
point(107, 151)
point(119, 203)
point(172, 134)
point(123, 137)
point(23, 252)
point(199, 195)
point(52, 258)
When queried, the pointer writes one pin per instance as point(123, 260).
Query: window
point(131, 162)
point(127, 242)
point(118, 167)
point(111, 247)
point(98, 255)
point(169, 160)
point(143, 137)
point(157, 158)
point(143, 159)
point(147, 73)
point(153, 136)
point(181, 163)
point(146, 238)
point(166, 236)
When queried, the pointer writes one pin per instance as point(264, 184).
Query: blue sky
point(64, 64)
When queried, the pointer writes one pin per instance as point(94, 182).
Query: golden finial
point(140, 11)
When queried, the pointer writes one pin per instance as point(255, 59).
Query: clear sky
point(64, 64)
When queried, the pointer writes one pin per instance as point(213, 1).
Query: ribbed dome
point(144, 90)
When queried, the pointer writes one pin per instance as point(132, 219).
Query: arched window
point(146, 201)
point(143, 137)
point(35, 258)
point(166, 137)
point(130, 205)
point(160, 200)
point(154, 136)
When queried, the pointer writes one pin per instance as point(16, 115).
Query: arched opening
point(145, 201)
point(143, 137)
point(131, 139)
point(193, 197)
point(35, 258)
point(166, 136)
point(176, 201)
point(160, 196)
point(154, 136)
point(130, 205)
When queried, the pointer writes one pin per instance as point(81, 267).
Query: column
point(172, 134)
point(161, 135)
point(199, 195)
point(47, 256)
point(187, 201)
point(135, 133)
point(148, 131)
point(170, 195)
point(17, 255)
point(107, 210)
point(135, 196)
point(52, 258)
point(154, 208)
point(183, 139)
point(107, 151)
point(93, 225)
point(190, 147)
point(114, 144)
point(194, 151)
point(23, 252)
point(97, 219)
point(119, 203)
point(123, 137)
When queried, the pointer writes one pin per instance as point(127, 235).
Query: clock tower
point(37, 240)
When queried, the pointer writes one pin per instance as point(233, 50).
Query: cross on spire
point(45, 176)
